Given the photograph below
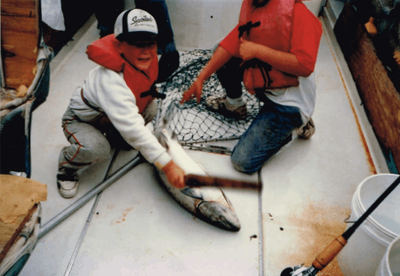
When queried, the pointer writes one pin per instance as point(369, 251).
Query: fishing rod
point(333, 249)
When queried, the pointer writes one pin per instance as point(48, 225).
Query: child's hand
point(175, 175)
point(247, 49)
point(194, 91)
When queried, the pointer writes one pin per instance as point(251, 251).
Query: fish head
point(219, 215)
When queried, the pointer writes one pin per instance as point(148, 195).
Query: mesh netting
point(193, 122)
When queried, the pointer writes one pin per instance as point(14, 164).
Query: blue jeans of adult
point(270, 130)
point(107, 11)
point(158, 8)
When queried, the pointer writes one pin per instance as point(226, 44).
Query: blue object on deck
point(18, 266)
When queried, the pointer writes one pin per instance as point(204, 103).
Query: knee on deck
point(244, 166)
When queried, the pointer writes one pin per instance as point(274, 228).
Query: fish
point(207, 203)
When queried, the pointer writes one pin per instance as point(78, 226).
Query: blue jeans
point(159, 10)
point(270, 130)
point(106, 12)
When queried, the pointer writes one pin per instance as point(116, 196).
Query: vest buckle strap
point(153, 92)
point(247, 27)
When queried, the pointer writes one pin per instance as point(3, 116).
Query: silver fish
point(208, 203)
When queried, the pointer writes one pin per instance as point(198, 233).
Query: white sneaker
point(67, 185)
point(306, 131)
point(221, 105)
point(67, 189)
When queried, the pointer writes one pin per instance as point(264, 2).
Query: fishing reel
point(333, 249)
point(299, 270)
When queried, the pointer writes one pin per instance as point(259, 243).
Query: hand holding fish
point(175, 175)
point(194, 91)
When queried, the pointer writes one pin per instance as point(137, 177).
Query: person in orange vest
point(107, 11)
point(273, 51)
point(115, 103)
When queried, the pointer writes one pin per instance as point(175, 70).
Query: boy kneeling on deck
point(116, 102)
point(273, 50)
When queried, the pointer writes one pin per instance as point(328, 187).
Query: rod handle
point(329, 253)
point(193, 180)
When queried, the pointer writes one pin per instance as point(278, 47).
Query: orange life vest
point(105, 53)
point(269, 25)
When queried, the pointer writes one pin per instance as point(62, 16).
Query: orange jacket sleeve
point(306, 36)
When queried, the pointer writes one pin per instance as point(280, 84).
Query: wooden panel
point(21, 24)
point(10, 232)
point(19, 40)
point(18, 7)
point(19, 199)
point(379, 95)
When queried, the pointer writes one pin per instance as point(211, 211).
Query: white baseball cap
point(135, 24)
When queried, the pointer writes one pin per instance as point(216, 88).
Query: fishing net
point(193, 122)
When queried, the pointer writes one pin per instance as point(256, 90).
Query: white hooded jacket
point(107, 90)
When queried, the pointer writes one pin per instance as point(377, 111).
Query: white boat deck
point(138, 229)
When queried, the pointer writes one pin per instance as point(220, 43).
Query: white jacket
point(107, 90)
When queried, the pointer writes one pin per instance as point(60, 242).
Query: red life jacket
point(105, 53)
point(269, 25)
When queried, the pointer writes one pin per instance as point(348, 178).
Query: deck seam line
point(82, 236)
point(260, 228)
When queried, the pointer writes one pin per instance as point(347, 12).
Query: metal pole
point(89, 195)
point(86, 227)
point(82, 236)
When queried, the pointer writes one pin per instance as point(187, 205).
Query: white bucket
point(367, 245)
point(390, 264)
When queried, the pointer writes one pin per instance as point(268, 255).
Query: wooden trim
point(20, 32)
point(380, 98)
point(17, 230)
